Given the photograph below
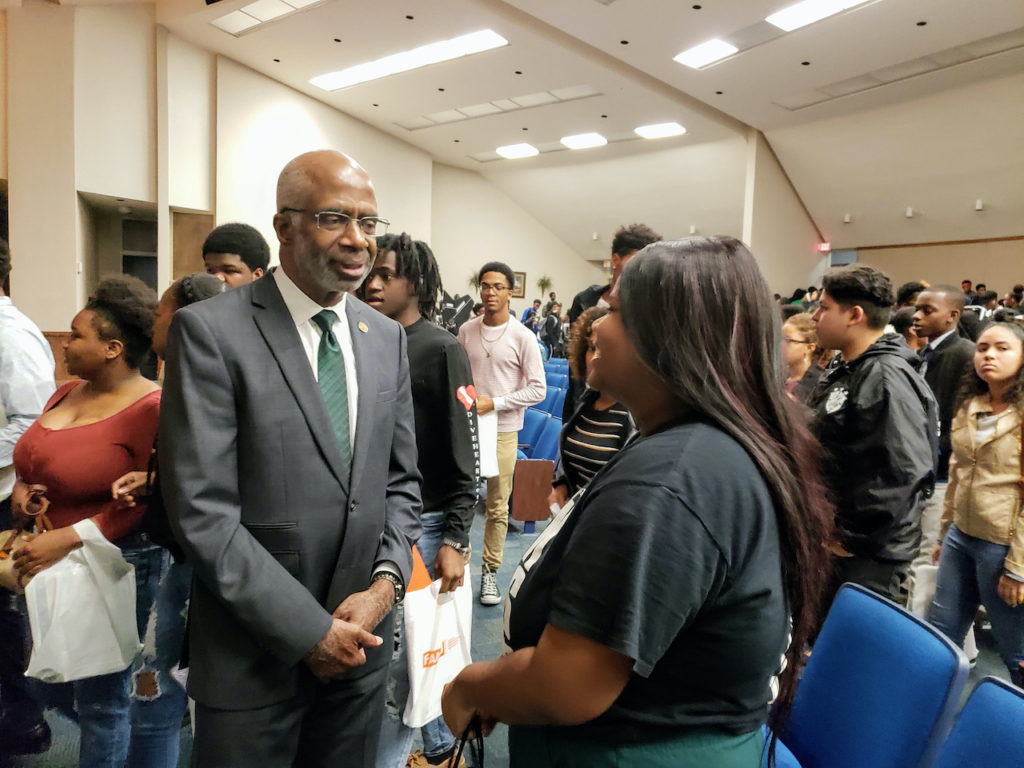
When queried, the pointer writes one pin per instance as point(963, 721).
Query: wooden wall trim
point(940, 242)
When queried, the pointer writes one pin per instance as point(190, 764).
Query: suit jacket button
point(352, 505)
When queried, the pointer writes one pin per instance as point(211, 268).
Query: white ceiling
point(840, 153)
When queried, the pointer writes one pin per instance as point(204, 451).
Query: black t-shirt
point(670, 557)
point(444, 404)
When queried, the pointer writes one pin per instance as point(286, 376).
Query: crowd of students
point(725, 465)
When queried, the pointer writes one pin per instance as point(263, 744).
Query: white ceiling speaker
point(910, 212)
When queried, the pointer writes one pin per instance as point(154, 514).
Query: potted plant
point(544, 283)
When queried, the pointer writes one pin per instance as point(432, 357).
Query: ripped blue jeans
point(101, 705)
point(159, 700)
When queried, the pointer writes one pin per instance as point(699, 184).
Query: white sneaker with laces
point(489, 594)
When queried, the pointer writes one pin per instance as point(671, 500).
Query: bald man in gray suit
point(288, 465)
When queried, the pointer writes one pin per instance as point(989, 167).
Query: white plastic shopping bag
point(82, 612)
point(922, 591)
point(437, 636)
point(487, 441)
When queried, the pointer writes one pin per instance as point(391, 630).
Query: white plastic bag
point(437, 636)
point(82, 612)
point(922, 591)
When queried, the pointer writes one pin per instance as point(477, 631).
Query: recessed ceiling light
point(921, 23)
point(807, 12)
point(584, 140)
point(444, 50)
point(706, 53)
point(516, 151)
point(659, 130)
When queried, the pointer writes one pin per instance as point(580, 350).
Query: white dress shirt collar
point(934, 343)
point(300, 306)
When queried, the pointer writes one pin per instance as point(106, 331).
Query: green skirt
point(536, 747)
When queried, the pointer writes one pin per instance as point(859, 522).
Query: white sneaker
point(489, 594)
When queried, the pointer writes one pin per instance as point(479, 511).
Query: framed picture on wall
point(519, 289)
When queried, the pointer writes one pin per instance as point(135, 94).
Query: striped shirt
point(590, 439)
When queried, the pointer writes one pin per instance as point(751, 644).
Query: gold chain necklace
point(492, 342)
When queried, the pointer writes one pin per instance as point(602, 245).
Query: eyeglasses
point(795, 341)
point(336, 221)
point(488, 288)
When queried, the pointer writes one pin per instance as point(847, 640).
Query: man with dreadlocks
point(405, 285)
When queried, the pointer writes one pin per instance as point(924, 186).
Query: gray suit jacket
point(255, 492)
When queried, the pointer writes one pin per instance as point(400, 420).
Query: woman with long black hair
point(647, 623)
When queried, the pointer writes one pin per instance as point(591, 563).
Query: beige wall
point(191, 111)
point(998, 264)
point(41, 163)
point(475, 222)
point(3, 94)
point(115, 100)
point(261, 125)
point(776, 227)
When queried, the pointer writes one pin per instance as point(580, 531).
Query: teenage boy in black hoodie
point(877, 421)
point(405, 285)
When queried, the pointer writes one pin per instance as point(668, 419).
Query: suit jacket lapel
point(366, 371)
point(278, 330)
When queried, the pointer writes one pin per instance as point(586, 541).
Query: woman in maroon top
point(92, 432)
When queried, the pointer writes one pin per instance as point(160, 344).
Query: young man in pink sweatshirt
point(509, 376)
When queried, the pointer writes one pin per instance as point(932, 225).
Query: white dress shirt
point(302, 309)
point(26, 383)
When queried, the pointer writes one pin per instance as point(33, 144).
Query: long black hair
point(972, 385)
point(702, 318)
point(416, 263)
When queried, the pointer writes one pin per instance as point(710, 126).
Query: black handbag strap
point(477, 743)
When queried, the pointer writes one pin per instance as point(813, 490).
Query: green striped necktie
point(333, 382)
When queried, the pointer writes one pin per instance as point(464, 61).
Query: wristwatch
point(395, 582)
point(460, 548)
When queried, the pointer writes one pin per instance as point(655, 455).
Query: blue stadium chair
point(879, 690)
point(548, 403)
point(561, 363)
point(560, 380)
point(546, 446)
point(559, 403)
point(552, 367)
point(989, 731)
point(533, 425)
point(520, 454)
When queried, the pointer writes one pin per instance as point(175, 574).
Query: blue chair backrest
point(547, 444)
point(548, 403)
point(879, 690)
point(989, 731)
point(559, 404)
point(533, 425)
point(560, 380)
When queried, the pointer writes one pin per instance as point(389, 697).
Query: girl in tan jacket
point(981, 557)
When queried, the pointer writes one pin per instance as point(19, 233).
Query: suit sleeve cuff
point(387, 566)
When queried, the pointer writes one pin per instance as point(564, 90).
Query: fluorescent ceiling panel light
point(235, 22)
point(265, 10)
point(659, 130)
point(301, 3)
point(516, 151)
point(584, 140)
point(534, 99)
point(433, 53)
point(505, 104)
point(706, 53)
point(575, 92)
point(807, 12)
point(479, 110)
point(447, 116)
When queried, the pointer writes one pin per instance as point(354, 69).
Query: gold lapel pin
point(363, 327)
